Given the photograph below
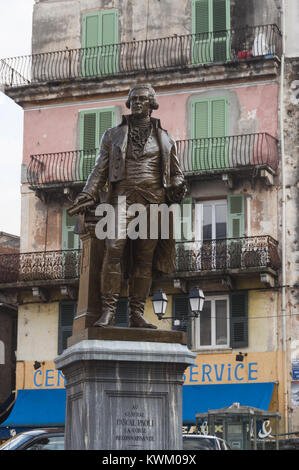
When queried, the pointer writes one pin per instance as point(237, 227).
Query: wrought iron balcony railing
point(227, 254)
point(248, 253)
point(223, 153)
point(145, 55)
point(39, 266)
point(195, 155)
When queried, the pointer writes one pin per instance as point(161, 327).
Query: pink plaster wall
point(56, 129)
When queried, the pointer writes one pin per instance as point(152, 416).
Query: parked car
point(36, 439)
point(202, 442)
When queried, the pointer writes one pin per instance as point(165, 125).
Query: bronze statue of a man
point(138, 160)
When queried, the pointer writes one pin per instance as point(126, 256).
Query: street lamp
point(159, 300)
point(196, 300)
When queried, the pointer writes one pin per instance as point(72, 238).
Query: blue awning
point(201, 398)
point(36, 408)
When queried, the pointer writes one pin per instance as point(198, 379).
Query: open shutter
point(70, 241)
point(122, 313)
point(239, 319)
point(236, 221)
point(180, 311)
point(67, 312)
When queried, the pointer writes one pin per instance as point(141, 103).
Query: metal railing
point(221, 153)
point(227, 254)
point(145, 55)
point(191, 256)
point(195, 155)
point(38, 266)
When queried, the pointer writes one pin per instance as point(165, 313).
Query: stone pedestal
point(124, 394)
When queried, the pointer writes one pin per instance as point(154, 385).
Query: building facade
point(227, 93)
point(9, 247)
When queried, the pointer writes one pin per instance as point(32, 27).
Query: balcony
point(150, 55)
point(221, 256)
point(198, 157)
point(244, 155)
point(37, 268)
point(227, 256)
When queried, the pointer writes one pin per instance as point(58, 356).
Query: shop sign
point(222, 373)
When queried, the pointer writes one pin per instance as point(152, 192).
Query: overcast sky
point(15, 40)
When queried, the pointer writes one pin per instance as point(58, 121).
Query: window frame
point(196, 325)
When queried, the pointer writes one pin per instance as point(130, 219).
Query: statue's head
point(142, 99)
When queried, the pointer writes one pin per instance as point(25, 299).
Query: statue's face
point(140, 102)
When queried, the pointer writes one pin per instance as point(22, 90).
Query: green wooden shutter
point(93, 124)
point(99, 39)
point(219, 126)
point(180, 311)
point(236, 216)
point(90, 30)
point(200, 132)
point(70, 241)
point(67, 310)
point(239, 319)
point(201, 22)
point(106, 120)
point(201, 29)
point(122, 313)
point(209, 125)
point(109, 27)
point(210, 25)
point(221, 14)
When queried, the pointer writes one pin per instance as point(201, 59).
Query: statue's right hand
point(82, 202)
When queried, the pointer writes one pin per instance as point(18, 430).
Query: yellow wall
point(38, 331)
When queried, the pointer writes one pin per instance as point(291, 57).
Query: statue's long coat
point(110, 167)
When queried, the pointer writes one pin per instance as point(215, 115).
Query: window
point(93, 124)
point(67, 310)
point(211, 328)
point(99, 43)
point(210, 27)
point(209, 128)
point(211, 220)
point(47, 443)
point(222, 323)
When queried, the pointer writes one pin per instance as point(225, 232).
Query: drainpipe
point(283, 216)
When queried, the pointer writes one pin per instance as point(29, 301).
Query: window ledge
point(224, 350)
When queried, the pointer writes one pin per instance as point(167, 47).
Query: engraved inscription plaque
point(137, 420)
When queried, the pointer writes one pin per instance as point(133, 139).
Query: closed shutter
point(180, 311)
point(236, 221)
point(239, 320)
point(99, 39)
point(201, 23)
point(219, 125)
point(209, 125)
point(93, 124)
point(106, 119)
point(220, 26)
point(210, 26)
point(122, 313)
point(67, 312)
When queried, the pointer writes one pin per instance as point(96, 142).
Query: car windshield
point(16, 441)
point(199, 443)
